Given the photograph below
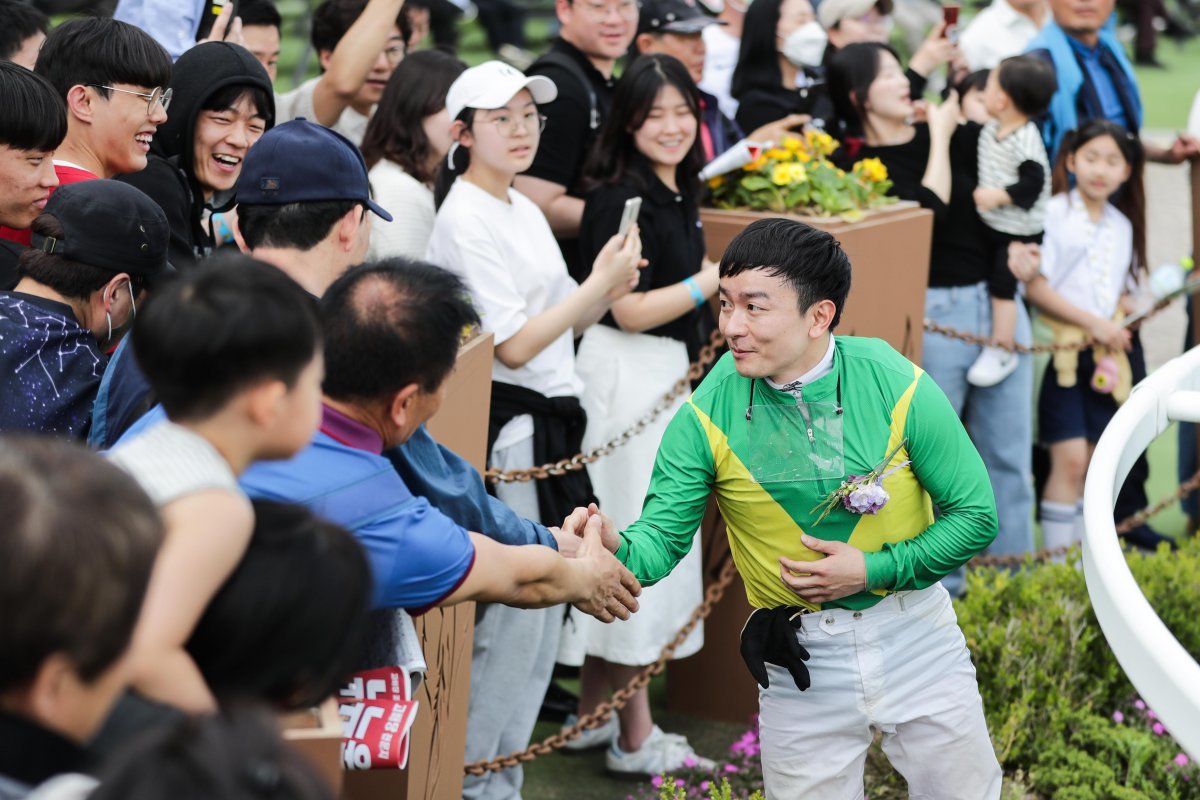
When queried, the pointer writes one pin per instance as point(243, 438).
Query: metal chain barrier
point(712, 596)
point(708, 354)
point(985, 341)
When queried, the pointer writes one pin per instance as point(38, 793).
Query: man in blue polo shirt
point(391, 338)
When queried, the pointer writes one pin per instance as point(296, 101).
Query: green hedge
point(1064, 719)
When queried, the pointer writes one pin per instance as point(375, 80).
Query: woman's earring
point(450, 156)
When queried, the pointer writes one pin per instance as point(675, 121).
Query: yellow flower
point(841, 173)
point(781, 175)
point(778, 154)
point(872, 169)
point(797, 173)
point(793, 143)
point(803, 156)
point(757, 164)
point(716, 182)
point(820, 142)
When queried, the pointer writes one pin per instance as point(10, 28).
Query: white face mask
point(805, 46)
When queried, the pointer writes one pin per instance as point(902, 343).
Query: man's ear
point(49, 692)
point(400, 409)
point(563, 9)
point(823, 313)
point(645, 43)
point(79, 103)
point(323, 57)
point(348, 225)
point(237, 232)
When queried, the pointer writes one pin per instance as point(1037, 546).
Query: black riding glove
point(769, 637)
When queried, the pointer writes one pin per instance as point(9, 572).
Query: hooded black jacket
point(169, 177)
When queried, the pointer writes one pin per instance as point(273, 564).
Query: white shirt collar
point(823, 368)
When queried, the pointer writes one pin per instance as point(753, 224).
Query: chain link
point(985, 341)
point(708, 354)
point(712, 596)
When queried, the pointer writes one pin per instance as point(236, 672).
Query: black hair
point(758, 55)
point(416, 90)
point(1130, 199)
point(391, 324)
point(72, 279)
point(35, 116)
point(852, 70)
point(333, 18)
point(615, 153)
point(80, 538)
point(236, 754)
point(972, 82)
point(809, 260)
point(288, 626)
point(1029, 82)
point(221, 328)
point(296, 226)
point(259, 12)
point(456, 163)
point(229, 96)
point(95, 51)
point(18, 22)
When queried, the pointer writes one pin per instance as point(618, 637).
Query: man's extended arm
point(679, 488)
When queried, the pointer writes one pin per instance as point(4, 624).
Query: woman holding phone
point(649, 150)
point(501, 244)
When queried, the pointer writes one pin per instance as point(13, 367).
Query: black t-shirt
point(959, 256)
point(761, 105)
point(672, 241)
point(569, 134)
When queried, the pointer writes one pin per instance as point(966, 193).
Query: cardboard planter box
point(438, 738)
point(889, 250)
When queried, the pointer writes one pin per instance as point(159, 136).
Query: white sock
point(1077, 529)
point(1058, 524)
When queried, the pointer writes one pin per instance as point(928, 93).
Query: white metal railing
point(1162, 671)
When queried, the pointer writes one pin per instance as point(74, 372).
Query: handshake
point(608, 590)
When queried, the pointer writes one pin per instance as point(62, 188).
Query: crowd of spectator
point(251, 303)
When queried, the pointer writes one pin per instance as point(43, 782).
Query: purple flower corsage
point(862, 494)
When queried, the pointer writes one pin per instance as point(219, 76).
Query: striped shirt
point(169, 461)
point(999, 163)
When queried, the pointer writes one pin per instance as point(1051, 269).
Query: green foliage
point(678, 790)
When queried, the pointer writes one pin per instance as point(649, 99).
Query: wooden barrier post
point(438, 738)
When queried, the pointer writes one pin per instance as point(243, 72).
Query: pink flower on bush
point(656, 781)
point(1139, 704)
point(730, 768)
point(1118, 717)
point(1181, 760)
point(1158, 729)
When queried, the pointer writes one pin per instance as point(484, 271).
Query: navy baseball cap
point(108, 225)
point(303, 162)
point(673, 16)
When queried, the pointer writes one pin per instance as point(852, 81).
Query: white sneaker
point(660, 753)
point(596, 737)
point(992, 366)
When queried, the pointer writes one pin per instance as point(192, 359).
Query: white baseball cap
point(492, 84)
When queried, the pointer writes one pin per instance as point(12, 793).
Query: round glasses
point(158, 96)
point(625, 9)
point(508, 125)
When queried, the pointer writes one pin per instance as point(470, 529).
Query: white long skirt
point(624, 376)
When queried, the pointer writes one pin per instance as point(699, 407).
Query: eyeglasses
point(508, 125)
point(625, 9)
point(159, 95)
point(394, 54)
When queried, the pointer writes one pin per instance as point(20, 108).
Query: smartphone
point(214, 7)
point(950, 17)
point(633, 207)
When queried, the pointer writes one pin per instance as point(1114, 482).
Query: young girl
point(1089, 262)
point(649, 148)
point(406, 141)
point(501, 243)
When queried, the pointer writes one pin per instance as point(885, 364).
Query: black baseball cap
point(303, 162)
point(108, 225)
point(673, 16)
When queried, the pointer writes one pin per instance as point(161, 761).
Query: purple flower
point(1181, 759)
point(656, 781)
point(866, 499)
point(1118, 717)
point(1158, 729)
point(730, 768)
point(704, 786)
point(1150, 714)
point(690, 762)
point(679, 782)
point(1139, 704)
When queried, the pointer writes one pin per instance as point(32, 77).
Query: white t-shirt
point(299, 103)
point(169, 461)
point(507, 254)
point(997, 32)
point(999, 160)
point(720, 59)
point(1087, 262)
point(410, 203)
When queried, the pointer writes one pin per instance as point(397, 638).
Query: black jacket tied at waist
point(558, 427)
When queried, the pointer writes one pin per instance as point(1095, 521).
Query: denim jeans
point(999, 418)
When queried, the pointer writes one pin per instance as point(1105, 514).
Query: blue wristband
point(694, 288)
